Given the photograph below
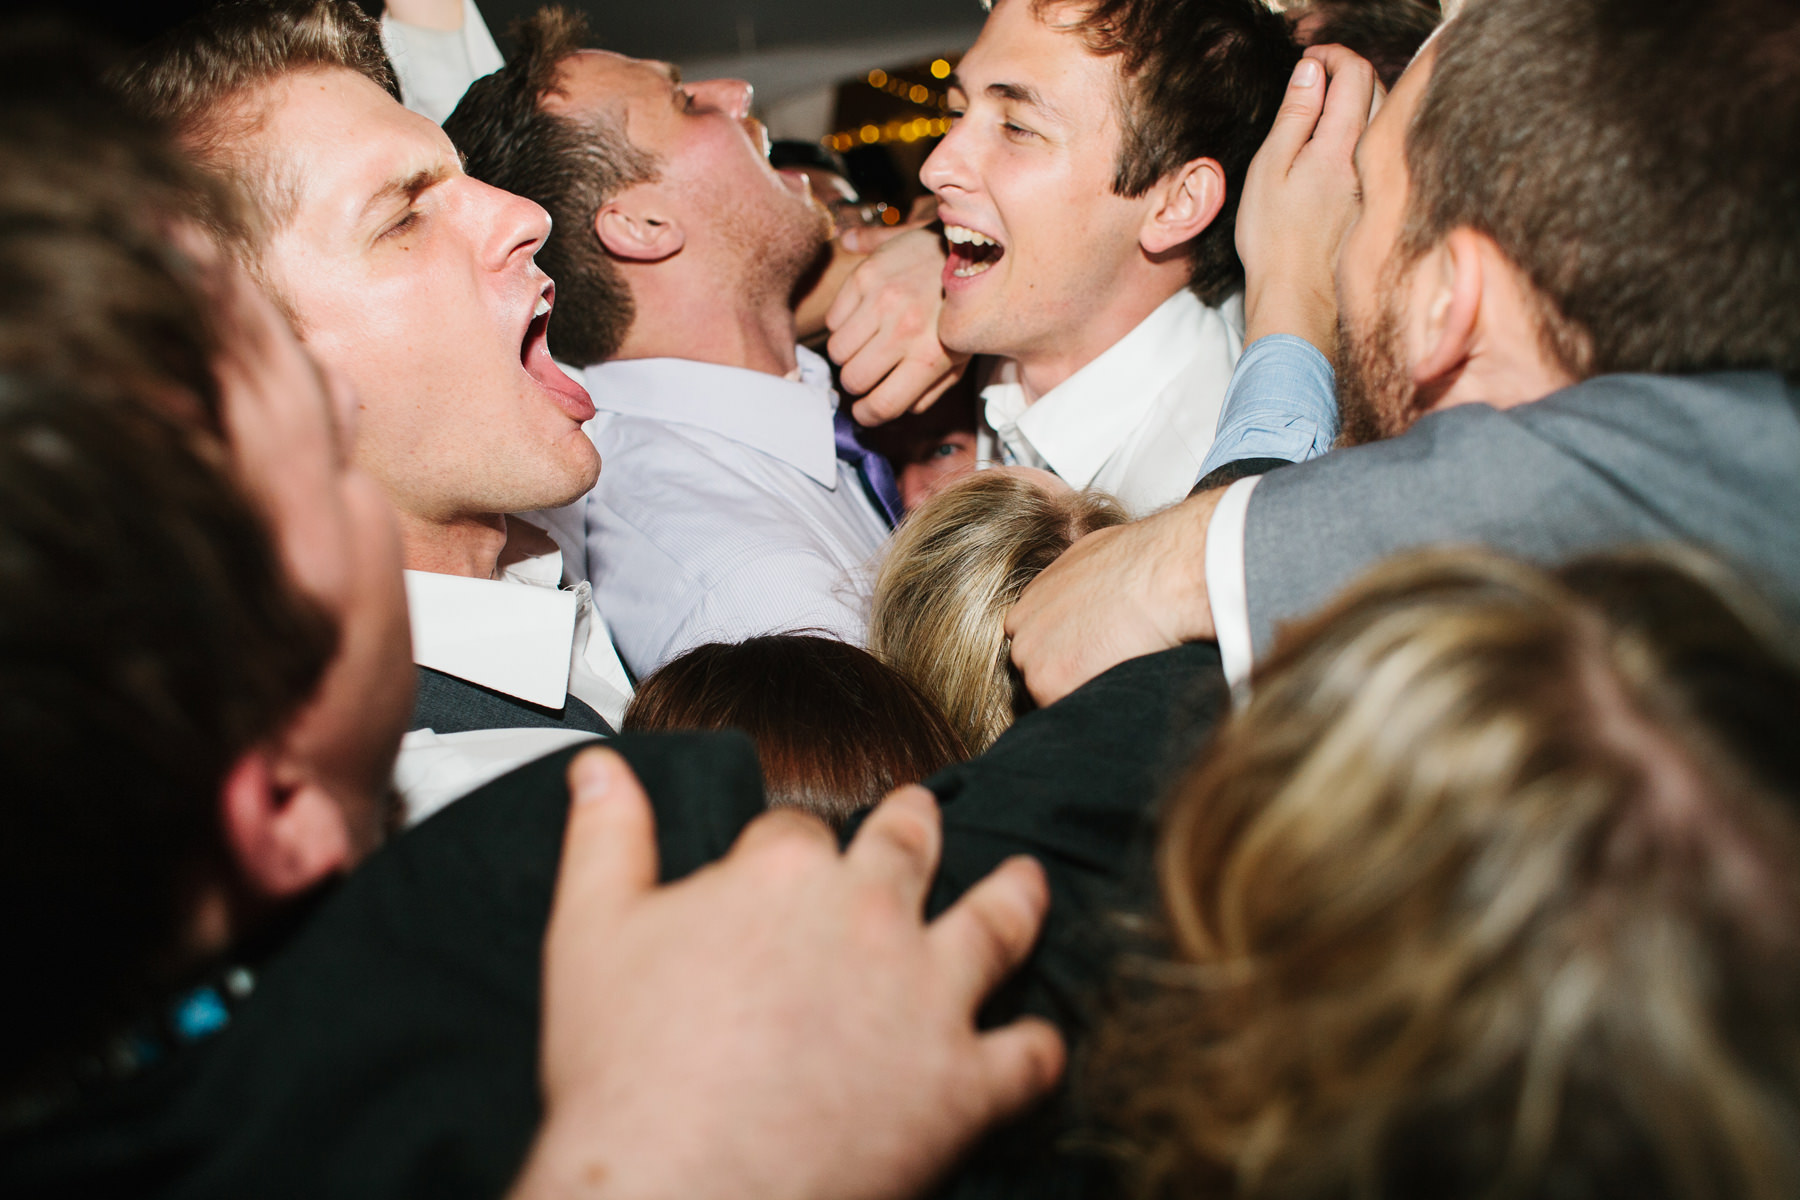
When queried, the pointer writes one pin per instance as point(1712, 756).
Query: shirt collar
point(1078, 425)
point(786, 419)
point(515, 634)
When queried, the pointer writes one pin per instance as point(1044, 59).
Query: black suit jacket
point(450, 705)
point(390, 1048)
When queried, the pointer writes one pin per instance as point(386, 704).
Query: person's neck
point(711, 325)
point(468, 545)
point(1048, 366)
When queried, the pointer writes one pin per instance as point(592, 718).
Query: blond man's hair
point(954, 568)
point(1491, 889)
point(201, 80)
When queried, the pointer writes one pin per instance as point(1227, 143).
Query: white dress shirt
point(435, 67)
point(722, 510)
point(522, 634)
point(1227, 588)
point(1136, 421)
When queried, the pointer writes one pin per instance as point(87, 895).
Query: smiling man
point(1087, 189)
point(1541, 348)
point(736, 501)
point(416, 284)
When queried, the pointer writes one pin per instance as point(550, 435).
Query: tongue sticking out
point(534, 355)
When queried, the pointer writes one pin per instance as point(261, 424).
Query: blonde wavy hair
point(954, 568)
point(1492, 889)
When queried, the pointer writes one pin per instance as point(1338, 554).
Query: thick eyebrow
point(1020, 93)
point(410, 187)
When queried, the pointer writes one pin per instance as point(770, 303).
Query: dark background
point(685, 29)
point(670, 29)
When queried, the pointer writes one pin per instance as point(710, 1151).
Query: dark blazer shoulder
point(447, 704)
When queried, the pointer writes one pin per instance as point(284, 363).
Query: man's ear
point(634, 226)
point(1447, 286)
point(284, 831)
point(1184, 204)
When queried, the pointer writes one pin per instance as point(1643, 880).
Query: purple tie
point(877, 474)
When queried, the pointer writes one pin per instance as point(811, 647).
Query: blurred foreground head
point(203, 667)
point(1492, 888)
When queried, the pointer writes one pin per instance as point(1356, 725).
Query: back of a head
point(90, 286)
point(1640, 162)
point(1492, 888)
point(198, 78)
point(149, 634)
point(569, 166)
point(148, 637)
point(953, 569)
point(835, 728)
point(1203, 79)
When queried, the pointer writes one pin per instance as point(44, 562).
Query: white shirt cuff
point(1226, 588)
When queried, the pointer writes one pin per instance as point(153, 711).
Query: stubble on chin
point(1375, 392)
point(783, 245)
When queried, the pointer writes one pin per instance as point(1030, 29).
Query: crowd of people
point(1245, 649)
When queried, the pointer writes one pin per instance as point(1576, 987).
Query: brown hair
point(200, 80)
point(953, 569)
point(90, 287)
point(149, 631)
point(1200, 79)
point(569, 165)
point(1492, 888)
point(1639, 162)
point(1386, 32)
point(835, 728)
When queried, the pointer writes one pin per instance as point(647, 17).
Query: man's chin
point(1375, 394)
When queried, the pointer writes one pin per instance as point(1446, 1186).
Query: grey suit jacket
point(1621, 460)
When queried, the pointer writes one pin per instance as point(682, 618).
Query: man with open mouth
point(736, 500)
point(416, 287)
point(1088, 190)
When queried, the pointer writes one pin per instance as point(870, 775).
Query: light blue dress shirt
point(722, 510)
point(1281, 403)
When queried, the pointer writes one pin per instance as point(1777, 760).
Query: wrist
point(1303, 313)
point(1179, 568)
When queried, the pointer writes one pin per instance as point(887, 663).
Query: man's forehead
point(1383, 145)
point(1032, 53)
point(589, 78)
point(342, 140)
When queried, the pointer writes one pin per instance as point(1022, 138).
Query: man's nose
point(944, 166)
point(518, 225)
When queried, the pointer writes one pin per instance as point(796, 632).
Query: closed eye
point(404, 225)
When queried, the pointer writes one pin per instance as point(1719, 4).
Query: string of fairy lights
point(900, 130)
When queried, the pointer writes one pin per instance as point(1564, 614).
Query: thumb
point(609, 846)
point(1019, 1063)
